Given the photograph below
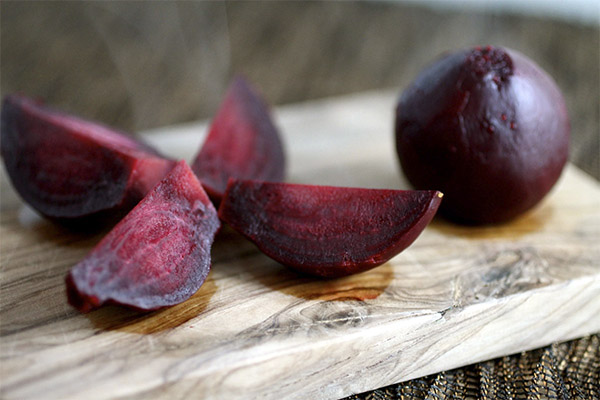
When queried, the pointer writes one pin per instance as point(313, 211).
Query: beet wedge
point(67, 168)
point(327, 231)
point(242, 143)
point(157, 256)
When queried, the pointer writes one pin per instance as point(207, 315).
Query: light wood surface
point(458, 295)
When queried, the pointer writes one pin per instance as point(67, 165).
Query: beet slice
point(66, 167)
point(242, 143)
point(327, 231)
point(157, 256)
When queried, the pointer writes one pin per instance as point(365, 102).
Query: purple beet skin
point(157, 256)
point(327, 231)
point(242, 143)
point(486, 126)
point(68, 168)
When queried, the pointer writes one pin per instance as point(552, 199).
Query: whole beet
point(487, 127)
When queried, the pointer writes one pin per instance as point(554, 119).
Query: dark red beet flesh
point(68, 168)
point(157, 256)
point(488, 128)
point(242, 143)
point(327, 231)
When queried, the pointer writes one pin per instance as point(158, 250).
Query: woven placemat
point(568, 370)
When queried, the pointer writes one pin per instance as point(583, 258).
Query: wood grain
point(458, 295)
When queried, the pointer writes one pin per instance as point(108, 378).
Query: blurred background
point(139, 65)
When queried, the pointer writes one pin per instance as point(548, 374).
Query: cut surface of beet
point(327, 231)
point(242, 143)
point(66, 167)
point(157, 256)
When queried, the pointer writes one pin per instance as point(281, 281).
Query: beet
point(157, 256)
point(242, 143)
point(68, 168)
point(487, 127)
point(327, 231)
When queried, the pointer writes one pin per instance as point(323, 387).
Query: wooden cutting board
point(458, 295)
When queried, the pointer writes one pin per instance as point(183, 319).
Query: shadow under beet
point(530, 222)
point(239, 256)
point(117, 318)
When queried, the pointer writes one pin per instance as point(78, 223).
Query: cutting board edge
point(583, 287)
